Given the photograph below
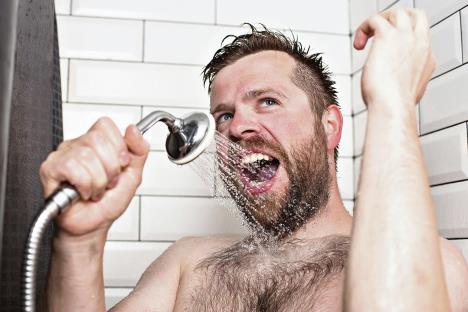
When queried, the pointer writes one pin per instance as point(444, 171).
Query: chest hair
point(287, 276)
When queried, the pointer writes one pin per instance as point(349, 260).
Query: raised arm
point(395, 259)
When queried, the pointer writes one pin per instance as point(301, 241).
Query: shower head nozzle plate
point(195, 133)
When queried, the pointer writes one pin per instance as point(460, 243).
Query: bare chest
point(301, 276)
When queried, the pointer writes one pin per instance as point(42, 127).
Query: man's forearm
point(76, 275)
point(395, 258)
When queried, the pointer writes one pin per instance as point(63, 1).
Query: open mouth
point(258, 172)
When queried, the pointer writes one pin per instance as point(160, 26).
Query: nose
point(244, 124)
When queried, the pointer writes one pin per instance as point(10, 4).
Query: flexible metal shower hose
point(54, 205)
point(56, 202)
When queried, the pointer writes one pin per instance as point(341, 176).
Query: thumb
point(137, 146)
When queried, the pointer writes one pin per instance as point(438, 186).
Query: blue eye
point(224, 117)
point(268, 102)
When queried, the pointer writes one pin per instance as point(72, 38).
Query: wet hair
point(311, 74)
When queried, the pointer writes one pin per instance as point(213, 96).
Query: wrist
point(391, 107)
point(86, 245)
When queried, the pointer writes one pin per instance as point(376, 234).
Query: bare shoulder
point(159, 284)
point(193, 249)
point(456, 275)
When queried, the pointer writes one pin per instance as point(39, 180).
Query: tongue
point(262, 173)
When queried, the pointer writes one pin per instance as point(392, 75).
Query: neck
point(332, 220)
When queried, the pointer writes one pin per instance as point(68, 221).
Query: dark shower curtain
point(35, 130)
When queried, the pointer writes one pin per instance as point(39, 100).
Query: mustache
point(261, 143)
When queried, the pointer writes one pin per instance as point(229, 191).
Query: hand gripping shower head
point(188, 138)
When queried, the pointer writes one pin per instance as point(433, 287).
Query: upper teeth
point(254, 157)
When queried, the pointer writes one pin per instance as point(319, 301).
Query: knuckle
point(421, 14)
point(100, 182)
point(64, 145)
point(93, 138)
point(44, 169)
point(113, 169)
point(85, 152)
point(104, 121)
point(68, 166)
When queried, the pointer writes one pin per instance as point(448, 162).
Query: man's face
point(282, 170)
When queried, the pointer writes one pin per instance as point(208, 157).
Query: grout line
point(461, 35)
point(136, 105)
point(447, 16)
point(449, 182)
point(139, 218)
point(143, 241)
point(448, 71)
point(204, 24)
point(143, 41)
point(104, 60)
point(71, 8)
point(388, 6)
point(68, 79)
point(443, 128)
point(215, 12)
point(159, 63)
point(176, 196)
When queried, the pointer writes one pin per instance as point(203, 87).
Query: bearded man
point(278, 107)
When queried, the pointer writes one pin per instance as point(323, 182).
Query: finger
point(106, 152)
point(88, 159)
point(371, 27)
point(401, 19)
point(106, 125)
point(136, 144)
point(66, 170)
point(421, 22)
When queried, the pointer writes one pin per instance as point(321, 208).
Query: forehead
point(266, 68)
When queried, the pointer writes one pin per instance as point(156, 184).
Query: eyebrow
point(220, 107)
point(259, 92)
point(250, 95)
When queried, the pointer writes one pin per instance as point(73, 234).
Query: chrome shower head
point(188, 137)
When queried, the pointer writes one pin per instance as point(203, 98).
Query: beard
point(277, 215)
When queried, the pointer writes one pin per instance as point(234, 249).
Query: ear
point(332, 120)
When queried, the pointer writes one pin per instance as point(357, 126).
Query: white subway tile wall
point(114, 295)
point(450, 204)
point(328, 17)
point(124, 262)
point(446, 154)
point(443, 111)
point(360, 10)
point(200, 11)
point(64, 78)
point(464, 29)
point(127, 226)
point(136, 83)
point(171, 218)
point(346, 143)
point(438, 10)
point(100, 38)
point(445, 101)
point(446, 44)
point(360, 122)
point(343, 86)
point(123, 59)
point(358, 102)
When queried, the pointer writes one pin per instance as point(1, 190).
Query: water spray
point(188, 138)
